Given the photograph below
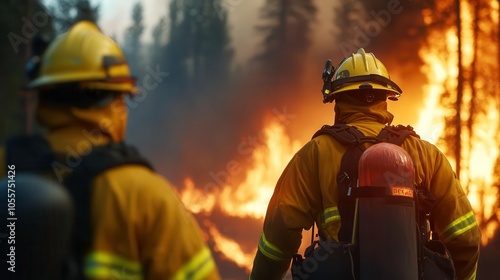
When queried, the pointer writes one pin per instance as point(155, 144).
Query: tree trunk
point(460, 85)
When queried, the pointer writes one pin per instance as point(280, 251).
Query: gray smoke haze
point(197, 129)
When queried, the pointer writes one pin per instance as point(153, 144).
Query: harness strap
point(79, 183)
point(32, 153)
point(396, 134)
point(347, 135)
point(347, 177)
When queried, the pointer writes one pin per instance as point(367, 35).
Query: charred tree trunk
point(473, 107)
point(460, 86)
point(496, 170)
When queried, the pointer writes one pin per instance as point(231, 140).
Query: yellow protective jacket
point(140, 227)
point(307, 192)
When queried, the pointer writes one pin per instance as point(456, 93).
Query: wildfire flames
point(249, 198)
point(479, 141)
point(230, 248)
point(479, 117)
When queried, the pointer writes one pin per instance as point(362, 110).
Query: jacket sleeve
point(291, 209)
point(184, 254)
point(141, 229)
point(454, 219)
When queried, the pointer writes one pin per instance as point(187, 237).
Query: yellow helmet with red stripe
point(86, 56)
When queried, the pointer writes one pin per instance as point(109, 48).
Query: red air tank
point(386, 223)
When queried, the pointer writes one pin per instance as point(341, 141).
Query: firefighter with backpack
point(130, 222)
point(319, 187)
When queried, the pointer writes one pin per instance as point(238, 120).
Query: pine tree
point(198, 57)
point(372, 25)
point(346, 16)
point(210, 42)
point(133, 36)
point(157, 49)
point(286, 36)
point(68, 12)
point(175, 53)
point(198, 44)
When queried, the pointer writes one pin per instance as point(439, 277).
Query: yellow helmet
point(361, 70)
point(85, 56)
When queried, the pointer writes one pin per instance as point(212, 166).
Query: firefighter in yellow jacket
point(307, 189)
point(140, 229)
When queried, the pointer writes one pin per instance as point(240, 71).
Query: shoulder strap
point(347, 135)
point(30, 153)
point(80, 180)
point(396, 134)
point(346, 179)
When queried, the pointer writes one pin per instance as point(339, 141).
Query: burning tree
point(458, 45)
point(463, 73)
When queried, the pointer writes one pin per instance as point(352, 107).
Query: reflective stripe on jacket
point(142, 229)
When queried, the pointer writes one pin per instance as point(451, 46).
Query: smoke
point(202, 121)
point(197, 118)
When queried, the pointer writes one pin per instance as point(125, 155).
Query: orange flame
point(249, 198)
point(440, 70)
point(230, 249)
point(198, 201)
point(479, 142)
